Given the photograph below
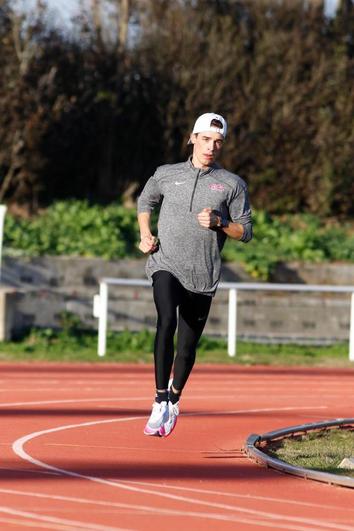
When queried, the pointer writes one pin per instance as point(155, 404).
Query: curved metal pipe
point(253, 451)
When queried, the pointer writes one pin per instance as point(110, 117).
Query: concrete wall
point(39, 289)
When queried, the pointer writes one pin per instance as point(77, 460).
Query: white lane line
point(239, 398)
point(104, 399)
point(172, 512)
point(18, 448)
point(46, 389)
point(169, 512)
point(149, 509)
point(249, 497)
point(71, 401)
point(199, 385)
point(86, 381)
point(137, 399)
point(62, 522)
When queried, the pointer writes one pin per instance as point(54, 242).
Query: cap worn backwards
point(210, 122)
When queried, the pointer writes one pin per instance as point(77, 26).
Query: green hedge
point(74, 228)
point(302, 237)
point(77, 228)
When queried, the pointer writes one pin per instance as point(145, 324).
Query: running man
point(200, 205)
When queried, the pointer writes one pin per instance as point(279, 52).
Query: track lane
point(200, 471)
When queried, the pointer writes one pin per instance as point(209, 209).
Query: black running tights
point(193, 310)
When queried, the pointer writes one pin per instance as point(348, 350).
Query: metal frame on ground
point(253, 451)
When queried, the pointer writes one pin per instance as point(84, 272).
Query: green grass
point(320, 450)
point(74, 344)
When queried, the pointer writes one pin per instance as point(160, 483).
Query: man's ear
point(193, 138)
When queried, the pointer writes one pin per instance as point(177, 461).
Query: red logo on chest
point(217, 187)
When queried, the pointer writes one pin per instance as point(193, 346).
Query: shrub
point(74, 228)
point(301, 237)
point(111, 232)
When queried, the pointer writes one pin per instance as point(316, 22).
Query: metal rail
point(3, 209)
point(253, 451)
point(100, 305)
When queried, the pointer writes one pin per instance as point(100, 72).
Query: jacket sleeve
point(240, 212)
point(150, 196)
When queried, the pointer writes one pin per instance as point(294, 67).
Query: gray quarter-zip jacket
point(187, 250)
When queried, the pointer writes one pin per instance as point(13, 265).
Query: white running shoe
point(159, 415)
point(169, 425)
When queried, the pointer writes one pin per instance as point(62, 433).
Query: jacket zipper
point(194, 187)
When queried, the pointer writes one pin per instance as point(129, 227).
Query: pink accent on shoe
point(159, 415)
point(167, 427)
point(163, 433)
point(149, 431)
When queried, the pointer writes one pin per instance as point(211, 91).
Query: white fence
point(100, 305)
point(3, 209)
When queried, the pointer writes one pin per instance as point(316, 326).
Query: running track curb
point(253, 451)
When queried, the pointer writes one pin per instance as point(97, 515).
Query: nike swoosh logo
point(179, 182)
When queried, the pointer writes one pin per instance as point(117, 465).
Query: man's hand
point(148, 243)
point(208, 219)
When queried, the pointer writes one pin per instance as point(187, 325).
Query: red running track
point(73, 453)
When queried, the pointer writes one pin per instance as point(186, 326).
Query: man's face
point(206, 148)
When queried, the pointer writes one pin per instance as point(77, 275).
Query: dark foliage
point(86, 118)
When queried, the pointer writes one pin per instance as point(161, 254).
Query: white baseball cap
point(205, 123)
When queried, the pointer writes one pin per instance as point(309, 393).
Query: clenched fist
point(208, 219)
point(148, 244)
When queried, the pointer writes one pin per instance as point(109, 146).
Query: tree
point(21, 122)
point(89, 115)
